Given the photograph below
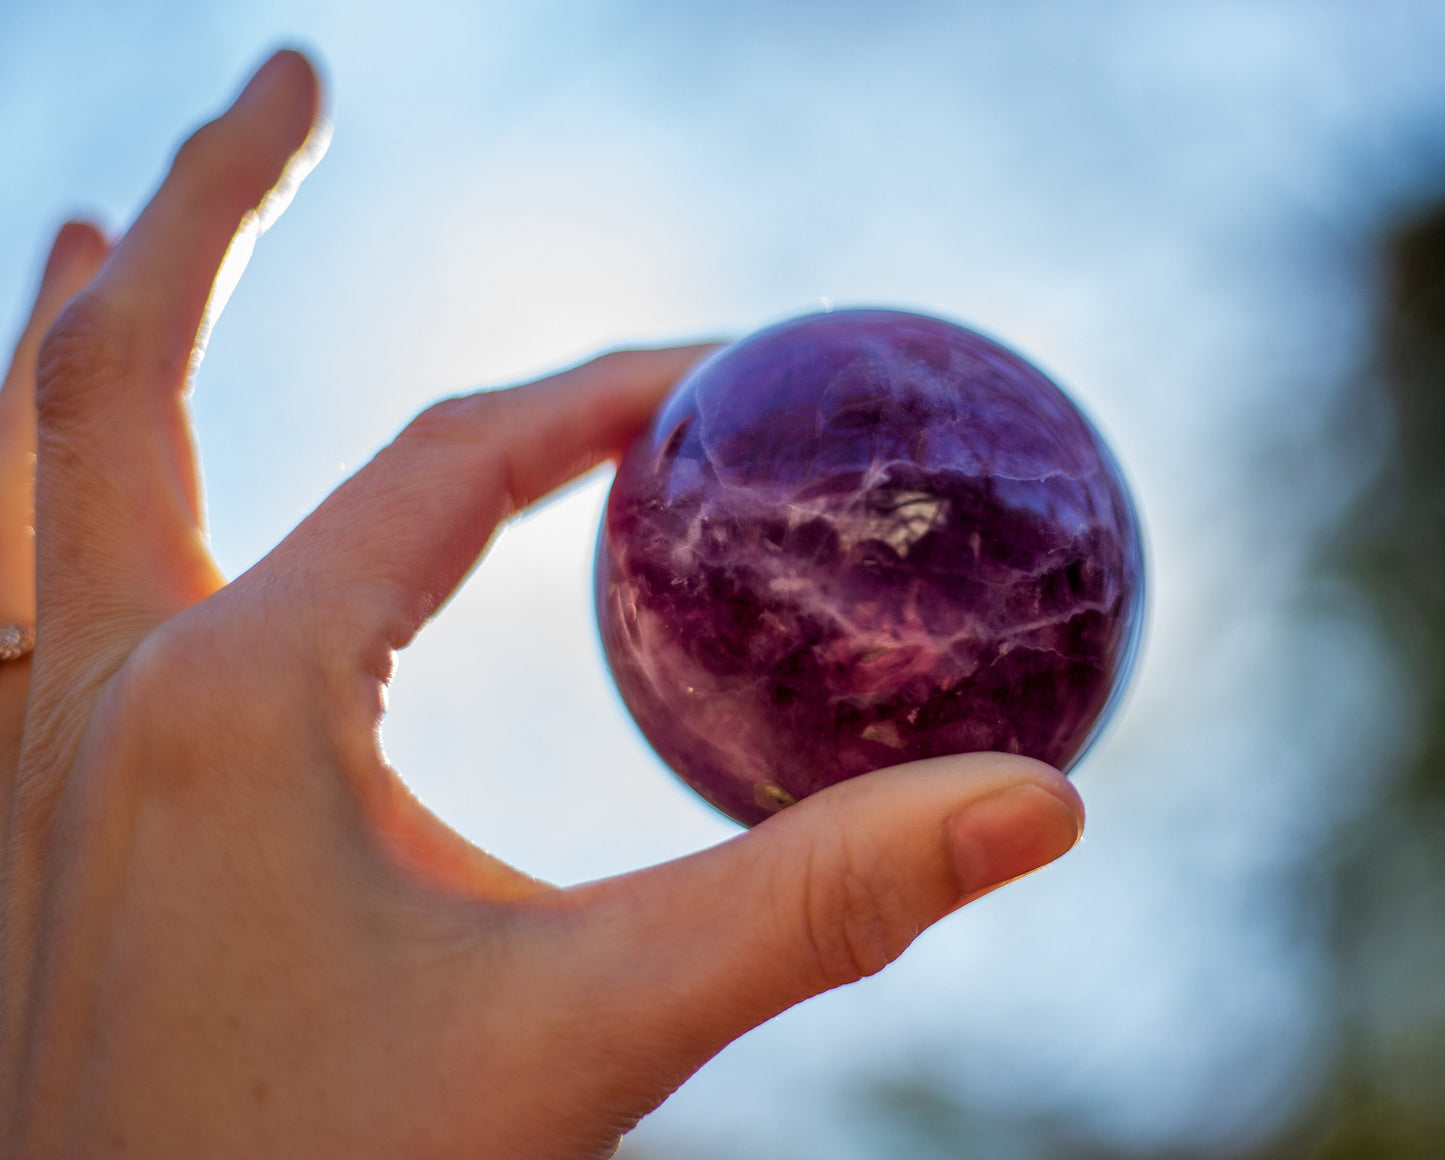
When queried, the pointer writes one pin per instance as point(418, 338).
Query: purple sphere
point(862, 538)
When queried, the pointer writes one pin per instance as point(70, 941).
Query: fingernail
point(1004, 836)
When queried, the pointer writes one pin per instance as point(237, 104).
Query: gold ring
point(16, 640)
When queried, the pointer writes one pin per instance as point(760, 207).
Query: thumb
point(829, 890)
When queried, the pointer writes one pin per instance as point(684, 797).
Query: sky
point(1169, 207)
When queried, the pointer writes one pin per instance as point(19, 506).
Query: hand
point(228, 929)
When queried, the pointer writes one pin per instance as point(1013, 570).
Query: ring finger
point(76, 255)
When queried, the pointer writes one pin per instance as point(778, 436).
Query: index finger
point(388, 547)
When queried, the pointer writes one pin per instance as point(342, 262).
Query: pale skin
point(228, 930)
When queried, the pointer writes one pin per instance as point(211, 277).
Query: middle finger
point(119, 542)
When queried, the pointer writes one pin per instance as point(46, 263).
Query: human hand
point(228, 928)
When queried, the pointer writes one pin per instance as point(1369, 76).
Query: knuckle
point(189, 703)
point(201, 152)
point(204, 684)
point(441, 421)
point(168, 669)
point(477, 426)
point(86, 348)
point(857, 915)
point(155, 697)
point(614, 362)
point(216, 159)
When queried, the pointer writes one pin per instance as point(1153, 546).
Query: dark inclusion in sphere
point(858, 539)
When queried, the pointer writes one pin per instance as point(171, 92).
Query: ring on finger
point(17, 639)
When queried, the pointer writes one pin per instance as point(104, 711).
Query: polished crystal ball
point(862, 538)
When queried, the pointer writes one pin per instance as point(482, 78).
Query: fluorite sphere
point(862, 538)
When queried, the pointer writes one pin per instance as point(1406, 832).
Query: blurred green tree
point(1386, 1099)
